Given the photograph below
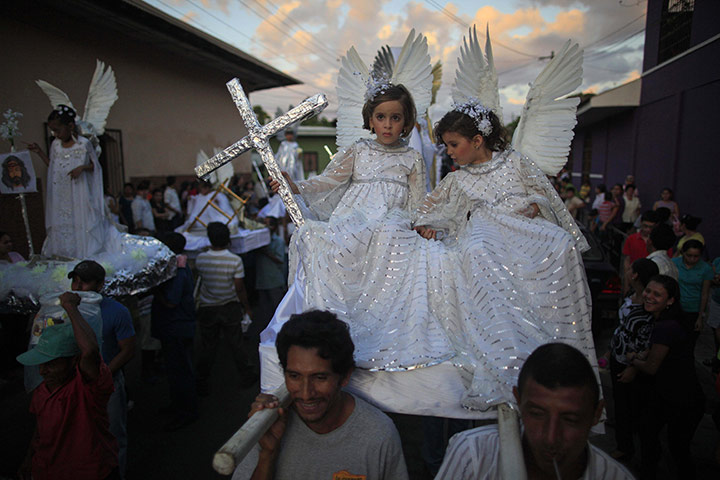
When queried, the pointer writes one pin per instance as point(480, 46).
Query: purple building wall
point(671, 139)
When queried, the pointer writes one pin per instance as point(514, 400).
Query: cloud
point(313, 34)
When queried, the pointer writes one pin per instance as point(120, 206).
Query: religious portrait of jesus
point(18, 174)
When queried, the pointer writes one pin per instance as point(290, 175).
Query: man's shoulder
point(484, 436)
point(372, 417)
point(603, 466)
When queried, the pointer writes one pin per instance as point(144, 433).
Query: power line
point(284, 32)
point(458, 20)
point(586, 47)
point(203, 27)
point(600, 54)
point(316, 42)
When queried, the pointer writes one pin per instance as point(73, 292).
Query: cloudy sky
point(306, 38)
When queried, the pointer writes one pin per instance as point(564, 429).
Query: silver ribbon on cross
point(258, 137)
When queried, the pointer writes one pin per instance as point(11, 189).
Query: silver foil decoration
point(258, 138)
point(23, 208)
point(156, 265)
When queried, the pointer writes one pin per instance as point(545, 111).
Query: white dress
point(74, 210)
point(526, 277)
point(362, 261)
point(289, 160)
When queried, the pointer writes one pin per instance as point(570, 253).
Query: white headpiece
point(356, 84)
point(546, 125)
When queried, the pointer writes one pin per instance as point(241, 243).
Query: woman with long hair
point(676, 399)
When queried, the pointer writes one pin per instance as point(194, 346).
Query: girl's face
point(61, 131)
point(463, 150)
point(665, 195)
point(5, 244)
point(617, 190)
point(388, 121)
point(656, 298)
point(691, 256)
point(157, 196)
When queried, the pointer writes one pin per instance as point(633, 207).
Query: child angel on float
point(519, 248)
point(360, 259)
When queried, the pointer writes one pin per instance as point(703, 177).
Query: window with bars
point(675, 28)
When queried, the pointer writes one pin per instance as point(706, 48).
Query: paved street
point(187, 453)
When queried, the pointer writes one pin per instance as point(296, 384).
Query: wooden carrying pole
point(232, 453)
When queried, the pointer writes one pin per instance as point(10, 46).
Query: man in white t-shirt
point(221, 302)
point(559, 401)
point(141, 210)
point(326, 433)
point(662, 238)
point(172, 202)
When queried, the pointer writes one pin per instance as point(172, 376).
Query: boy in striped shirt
point(222, 301)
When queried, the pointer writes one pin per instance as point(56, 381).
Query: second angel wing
point(546, 124)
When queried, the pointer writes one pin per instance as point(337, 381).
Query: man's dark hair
point(663, 214)
point(645, 269)
point(24, 177)
point(556, 365)
point(218, 234)
point(322, 330)
point(650, 216)
point(144, 185)
point(174, 241)
point(662, 236)
point(170, 181)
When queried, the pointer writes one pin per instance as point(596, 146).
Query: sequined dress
point(74, 209)
point(525, 276)
point(362, 261)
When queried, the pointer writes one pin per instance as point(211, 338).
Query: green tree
point(261, 114)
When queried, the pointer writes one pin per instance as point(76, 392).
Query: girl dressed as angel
point(519, 253)
point(518, 248)
point(74, 209)
point(360, 259)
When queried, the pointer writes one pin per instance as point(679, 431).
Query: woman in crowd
point(688, 227)
point(676, 399)
point(694, 275)
point(666, 200)
point(631, 335)
point(6, 253)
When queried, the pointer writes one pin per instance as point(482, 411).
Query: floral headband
point(65, 110)
point(478, 112)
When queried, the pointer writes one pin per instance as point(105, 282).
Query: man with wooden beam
point(326, 432)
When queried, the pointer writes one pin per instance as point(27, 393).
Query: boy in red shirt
point(72, 440)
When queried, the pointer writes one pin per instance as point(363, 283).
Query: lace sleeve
point(551, 206)
point(445, 208)
point(323, 192)
point(416, 182)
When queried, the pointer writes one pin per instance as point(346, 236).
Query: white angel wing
point(351, 87)
point(414, 71)
point(102, 94)
point(546, 124)
point(223, 173)
point(201, 158)
point(475, 76)
point(56, 96)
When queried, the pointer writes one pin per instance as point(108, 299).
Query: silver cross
point(258, 138)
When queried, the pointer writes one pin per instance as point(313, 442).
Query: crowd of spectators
point(670, 294)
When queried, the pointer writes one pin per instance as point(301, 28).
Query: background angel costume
point(75, 212)
point(78, 224)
